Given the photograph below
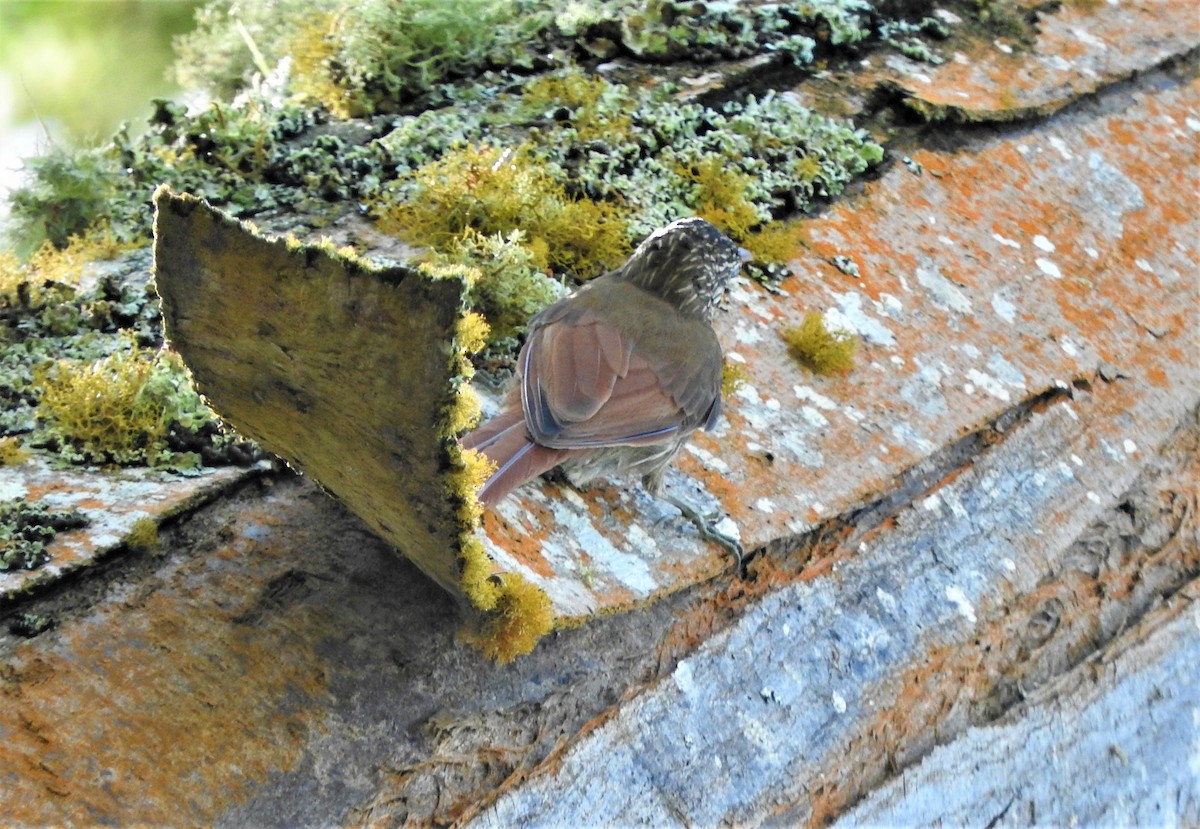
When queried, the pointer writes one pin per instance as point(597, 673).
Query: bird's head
point(689, 263)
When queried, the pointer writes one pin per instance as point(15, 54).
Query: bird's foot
point(705, 524)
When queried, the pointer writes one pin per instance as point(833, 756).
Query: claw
point(704, 525)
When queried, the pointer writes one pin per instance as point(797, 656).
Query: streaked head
point(689, 263)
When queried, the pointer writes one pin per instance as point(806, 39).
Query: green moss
point(377, 52)
point(818, 349)
point(143, 536)
point(27, 527)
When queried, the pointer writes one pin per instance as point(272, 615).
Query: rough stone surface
point(979, 550)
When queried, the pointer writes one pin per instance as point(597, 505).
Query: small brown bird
point(614, 378)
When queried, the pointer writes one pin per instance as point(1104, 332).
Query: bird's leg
point(703, 522)
point(705, 526)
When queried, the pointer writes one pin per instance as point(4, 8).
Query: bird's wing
point(585, 383)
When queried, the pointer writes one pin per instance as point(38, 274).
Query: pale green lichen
point(27, 527)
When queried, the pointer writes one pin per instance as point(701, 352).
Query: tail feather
point(504, 441)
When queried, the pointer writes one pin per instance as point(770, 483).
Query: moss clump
point(143, 536)
point(818, 349)
point(27, 527)
point(376, 52)
point(514, 613)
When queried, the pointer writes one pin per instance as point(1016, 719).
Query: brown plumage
point(617, 376)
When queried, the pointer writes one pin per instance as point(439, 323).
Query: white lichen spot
point(905, 433)
point(757, 733)
point(989, 384)
point(839, 702)
point(1061, 146)
point(1008, 243)
point(1093, 497)
point(1042, 243)
point(1008, 374)
point(1143, 265)
point(1008, 564)
point(733, 356)
point(1069, 348)
point(710, 461)
point(764, 505)
point(1075, 459)
point(1048, 267)
point(1092, 253)
point(1084, 36)
point(932, 503)
point(684, 679)
point(1130, 447)
point(891, 305)
point(1003, 308)
point(1003, 47)
point(959, 599)
point(811, 395)
point(728, 528)
point(813, 418)
point(941, 290)
point(947, 16)
point(1193, 124)
point(850, 315)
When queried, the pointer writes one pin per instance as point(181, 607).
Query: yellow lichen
point(312, 49)
point(521, 616)
point(808, 168)
point(100, 406)
point(476, 570)
point(820, 350)
point(583, 96)
point(493, 190)
point(12, 453)
point(733, 377)
point(472, 333)
point(464, 411)
point(721, 196)
point(776, 243)
point(51, 265)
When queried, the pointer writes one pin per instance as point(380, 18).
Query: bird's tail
point(504, 440)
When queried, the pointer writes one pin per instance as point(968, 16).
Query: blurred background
point(72, 71)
